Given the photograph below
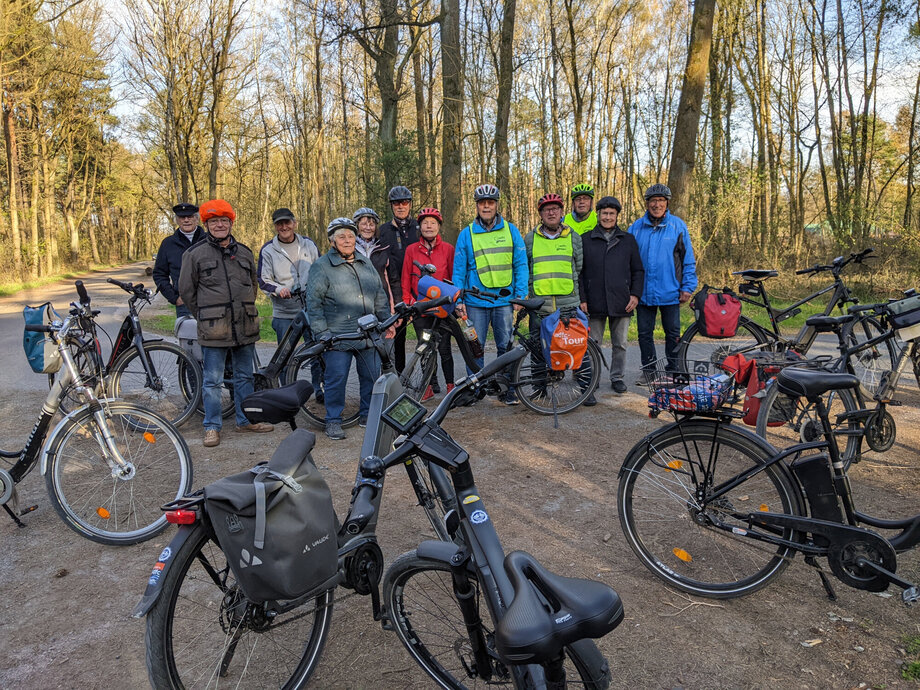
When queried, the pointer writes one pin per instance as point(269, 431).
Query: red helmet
point(431, 213)
point(217, 208)
point(550, 198)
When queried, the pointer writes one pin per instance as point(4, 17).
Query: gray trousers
point(619, 327)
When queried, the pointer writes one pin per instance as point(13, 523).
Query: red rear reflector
point(181, 517)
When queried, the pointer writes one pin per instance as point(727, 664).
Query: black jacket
point(169, 262)
point(398, 241)
point(611, 272)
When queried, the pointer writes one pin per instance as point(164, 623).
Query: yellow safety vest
point(581, 226)
point(493, 252)
point(552, 265)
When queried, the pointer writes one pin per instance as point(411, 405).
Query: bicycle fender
point(50, 449)
point(160, 569)
point(440, 551)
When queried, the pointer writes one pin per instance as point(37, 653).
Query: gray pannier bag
point(276, 524)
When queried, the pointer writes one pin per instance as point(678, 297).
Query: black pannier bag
point(905, 318)
point(276, 524)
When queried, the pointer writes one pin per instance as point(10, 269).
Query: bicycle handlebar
point(137, 290)
point(39, 328)
point(81, 290)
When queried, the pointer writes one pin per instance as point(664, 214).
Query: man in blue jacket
point(169, 256)
point(490, 256)
point(670, 274)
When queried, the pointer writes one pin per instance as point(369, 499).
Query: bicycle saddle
point(529, 304)
point(277, 404)
point(549, 611)
point(827, 324)
point(811, 383)
point(756, 273)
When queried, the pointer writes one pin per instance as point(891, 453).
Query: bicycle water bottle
point(469, 332)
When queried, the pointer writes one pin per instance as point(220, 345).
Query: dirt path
point(64, 614)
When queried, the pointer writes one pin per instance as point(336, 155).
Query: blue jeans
point(500, 318)
point(280, 326)
point(213, 365)
point(338, 364)
point(645, 324)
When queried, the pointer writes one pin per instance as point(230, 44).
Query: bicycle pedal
point(28, 510)
point(911, 595)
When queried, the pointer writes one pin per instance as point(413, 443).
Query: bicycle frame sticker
point(470, 499)
point(165, 554)
point(478, 516)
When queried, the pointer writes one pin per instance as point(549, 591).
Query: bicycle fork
point(466, 598)
point(121, 468)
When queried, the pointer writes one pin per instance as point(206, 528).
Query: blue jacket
point(667, 256)
point(465, 274)
point(169, 263)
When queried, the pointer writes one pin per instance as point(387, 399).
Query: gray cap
point(282, 214)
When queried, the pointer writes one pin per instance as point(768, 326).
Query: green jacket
point(572, 299)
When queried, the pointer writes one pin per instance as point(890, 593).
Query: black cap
point(282, 214)
point(609, 202)
point(185, 209)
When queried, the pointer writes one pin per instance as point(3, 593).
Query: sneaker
point(257, 428)
point(450, 387)
point(334, 431)
point(618, 387)
point(211, 438)
point(362, 422)
point(435, 388)
point(590, 401)
point(429, 394)
point(510, 398)
point(641, 381)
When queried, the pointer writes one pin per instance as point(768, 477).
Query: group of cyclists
point(577, 259)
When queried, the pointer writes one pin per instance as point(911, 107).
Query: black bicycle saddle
point(549, 611)
point(826, 324)
point(529, 304)
point(812, 383)
point(277, 405)
point(756, 273)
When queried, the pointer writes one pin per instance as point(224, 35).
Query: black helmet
point(657, 190)
point(338, 224)
point(486, 191)
point(399, 193)
point(609, 202)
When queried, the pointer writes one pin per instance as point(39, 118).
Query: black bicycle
point(150, 372)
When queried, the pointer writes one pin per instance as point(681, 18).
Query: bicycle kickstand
point(831, 594)
point(14, 514)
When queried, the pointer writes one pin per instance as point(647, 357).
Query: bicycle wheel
point(110, 509)
point(175, 391)
point(300, 369)
point(419, 595)
point(419, 370)
point(546, 391)
point(871, 363)
point(784, 421)
point(89, 363)
point(694, 545)
point(203, 633)
point(696, 347)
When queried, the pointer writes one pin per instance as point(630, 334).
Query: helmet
point(217, 208)
point(657, 190)
point(486, 191)
point(399, 193)
point(430, 213)
point(365, 212)
point(550, 198)
point(609, 202)
point(580, 189)
point(340, 223)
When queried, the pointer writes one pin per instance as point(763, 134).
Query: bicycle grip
point(422, 307)
point(123, 286)
point(38, 328)
point(81, 290)
point(803, 271)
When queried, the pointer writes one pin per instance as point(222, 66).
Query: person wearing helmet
point(168, 263)
point(370, 245)
point(430, 249)
point(218, 282)
point(670, 274)
point(342, 287)
point(582, 217)
point(612, 280)
point(490, 256)
point(398, 234)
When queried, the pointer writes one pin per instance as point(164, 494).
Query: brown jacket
point(219, 285)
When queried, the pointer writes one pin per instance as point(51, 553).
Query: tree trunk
point(505, 85)
point(420, 125)
point(12, 167)
point(452, 126)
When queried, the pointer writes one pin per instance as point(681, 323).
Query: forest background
point(789, 129)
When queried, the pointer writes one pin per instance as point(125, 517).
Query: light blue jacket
point(667, 255)
point(465, 274)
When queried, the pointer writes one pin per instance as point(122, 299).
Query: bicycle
point(108, 464)
point(715, 511)
point(509, 621)
point(150, 372)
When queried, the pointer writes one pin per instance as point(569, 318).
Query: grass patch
point(910, 670)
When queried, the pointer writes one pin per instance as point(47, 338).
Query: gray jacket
point(339, 293)
point(276, 271)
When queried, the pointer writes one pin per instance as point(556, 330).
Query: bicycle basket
point(905, 318)
point(702, 386)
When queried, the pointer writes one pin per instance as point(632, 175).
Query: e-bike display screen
point(403, 414)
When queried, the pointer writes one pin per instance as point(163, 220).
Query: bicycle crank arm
point(887, 574)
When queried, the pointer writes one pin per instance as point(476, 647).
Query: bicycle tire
point(300, 369)
point(555, 392)
point(107, 509)
point(191, 625)
point(89, 364)
point(441, 492)
point(872, 363)
point(420, 598)
point(177, 391)
point(693, 346)
point(416, 377)
point(784, 421)
point(658, 505)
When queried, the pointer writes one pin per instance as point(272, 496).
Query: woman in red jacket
point(430, 249)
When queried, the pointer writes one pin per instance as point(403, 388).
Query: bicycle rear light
point(181, 517)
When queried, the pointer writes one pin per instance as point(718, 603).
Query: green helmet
point(580, 189)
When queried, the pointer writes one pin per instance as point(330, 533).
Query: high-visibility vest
point(581, 226)
point(552, 265)
point(493, 252)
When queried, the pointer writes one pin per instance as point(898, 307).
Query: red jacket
point(441, 255)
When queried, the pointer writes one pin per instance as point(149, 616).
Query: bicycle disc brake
point(843, 557)
point(880, 431)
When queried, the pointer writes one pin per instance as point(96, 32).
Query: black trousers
point(444, 349)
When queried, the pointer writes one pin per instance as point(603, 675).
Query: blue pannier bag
point(41, 351)
point(564, 337)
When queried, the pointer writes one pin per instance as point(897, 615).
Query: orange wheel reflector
point(675, 464)
point(764, 508)
point(683, 555)
point(103, 513)
point(149, 438)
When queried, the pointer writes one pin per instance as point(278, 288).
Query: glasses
point(402, 202)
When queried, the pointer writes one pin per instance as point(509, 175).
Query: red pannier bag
point(745, 371)
point(717, 313)
point(564, 336)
